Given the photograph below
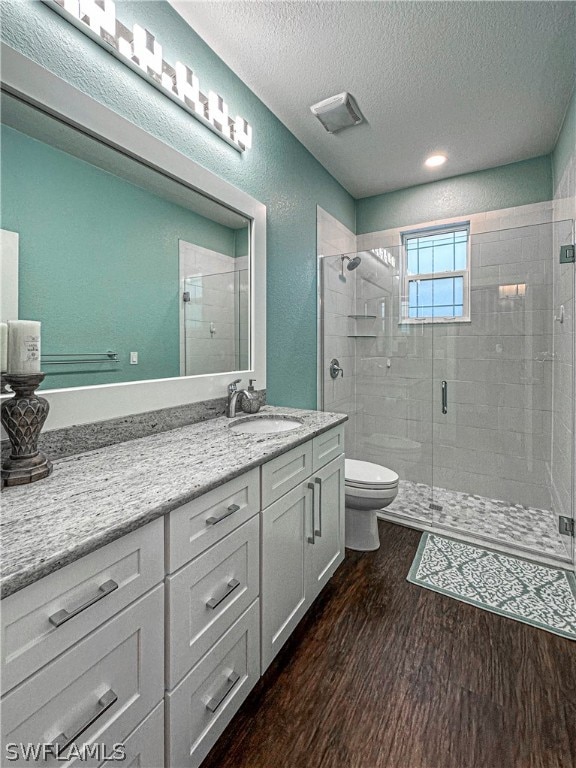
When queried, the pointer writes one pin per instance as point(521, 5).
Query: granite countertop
point(95, 497)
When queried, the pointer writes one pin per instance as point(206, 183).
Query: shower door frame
point(435, 395)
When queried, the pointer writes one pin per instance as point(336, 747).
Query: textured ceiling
point(485, 82)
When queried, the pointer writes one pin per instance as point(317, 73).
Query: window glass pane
point(413, 293)
point(425, 259)
point(440, 238)
point(412, 262)
point(459, 290)
point(441, 311)
point(425, 293)
point(444, 258)
point(460, 255)
point(443, 292)
point(458, 310)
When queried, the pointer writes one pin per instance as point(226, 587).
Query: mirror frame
point(29, 81)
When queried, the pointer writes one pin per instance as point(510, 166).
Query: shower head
point(353, 263)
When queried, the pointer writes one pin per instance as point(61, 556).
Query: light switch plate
point(567, 254)
point(133, 358)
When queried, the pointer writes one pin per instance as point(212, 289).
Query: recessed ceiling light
point(435, 160)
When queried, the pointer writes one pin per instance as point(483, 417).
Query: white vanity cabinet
point(83, 653)
point(154, 640)
point(302, 537)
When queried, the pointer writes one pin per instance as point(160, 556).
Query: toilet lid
point(364, 474)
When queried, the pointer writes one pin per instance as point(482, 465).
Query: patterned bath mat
point(509, 586)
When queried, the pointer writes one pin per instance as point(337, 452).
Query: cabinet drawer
point(285, 472)
point(144, 748)
point(201, 523)
point(46, 618)
point(199, 709)
point(327, 446)
point(99, 690)
point(207, 596)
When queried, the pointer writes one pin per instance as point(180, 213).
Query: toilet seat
point(364, 475)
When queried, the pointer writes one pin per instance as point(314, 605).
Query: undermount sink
point(265, 424)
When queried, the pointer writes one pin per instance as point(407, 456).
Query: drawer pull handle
point(63, 741)
point(311, 539)
point(223, 515)
point(61, 617)
point(230, 587)
point(215, 701)
point(318, 482)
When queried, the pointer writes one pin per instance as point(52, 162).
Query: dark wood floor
point(385, 674)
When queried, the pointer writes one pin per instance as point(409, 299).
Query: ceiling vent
point(337, 112)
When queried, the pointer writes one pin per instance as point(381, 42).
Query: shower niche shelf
point(362, 335)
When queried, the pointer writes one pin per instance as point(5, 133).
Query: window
point(435, 269)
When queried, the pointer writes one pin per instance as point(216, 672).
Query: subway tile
point(500, 252)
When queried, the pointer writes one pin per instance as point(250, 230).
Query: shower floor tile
point(512, 524)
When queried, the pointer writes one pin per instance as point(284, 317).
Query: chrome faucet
point(233, 395)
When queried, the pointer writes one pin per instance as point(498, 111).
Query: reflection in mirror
point(133, 274)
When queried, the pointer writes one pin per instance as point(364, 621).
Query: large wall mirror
point(146, 270)
point(133, 275)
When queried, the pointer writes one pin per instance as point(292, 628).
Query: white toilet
point(369, 487)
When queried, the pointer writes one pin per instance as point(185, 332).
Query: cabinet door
point(327, 551)
point(286, 528)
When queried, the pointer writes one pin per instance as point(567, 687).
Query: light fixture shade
point(337, 112)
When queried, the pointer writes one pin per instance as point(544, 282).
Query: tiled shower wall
point(563, 397)
point(495, 440)
point(333, 238)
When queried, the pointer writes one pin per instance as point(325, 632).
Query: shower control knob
point(335, 369)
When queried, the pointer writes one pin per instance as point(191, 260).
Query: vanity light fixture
point(139, 49)
point(435, 160)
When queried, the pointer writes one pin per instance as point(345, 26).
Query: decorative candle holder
point(23, 417)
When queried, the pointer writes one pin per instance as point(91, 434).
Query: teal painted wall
point(566, 144)
point(278, 170)
point(529, 181)
point(99, 261)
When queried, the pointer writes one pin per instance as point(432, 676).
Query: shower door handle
point(444, 397)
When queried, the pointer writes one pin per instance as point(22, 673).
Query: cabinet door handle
point(214, 702)
point(311, 539)
point(61, 617)
point(223, 515)
point(230, 587)
point(63, 742)
point(444, 397)
point(318, 482)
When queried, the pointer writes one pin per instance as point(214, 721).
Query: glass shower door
point(502, 397)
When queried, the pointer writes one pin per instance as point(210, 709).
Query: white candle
point(3, 347)
point(23, 346)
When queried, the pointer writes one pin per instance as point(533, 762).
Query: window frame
point(406, 279)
